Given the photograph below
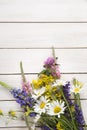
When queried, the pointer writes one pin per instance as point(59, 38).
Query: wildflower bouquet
point(48, 101)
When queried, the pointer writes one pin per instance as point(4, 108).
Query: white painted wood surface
point(28, 35)
point(33, 60)
point(43, 10)
point(28, 30)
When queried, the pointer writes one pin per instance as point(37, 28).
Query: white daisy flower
point(75, 89)
point(41, 105)
point(76, 86)
point(56, 108)
point(58, 82)
point(38, 92)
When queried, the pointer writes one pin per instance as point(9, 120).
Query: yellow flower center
point(42, 105)
point(12, 113)
point(57, 109)
point(76, 90)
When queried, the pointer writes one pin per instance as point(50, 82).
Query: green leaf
point(5, 85)
point(46, 72)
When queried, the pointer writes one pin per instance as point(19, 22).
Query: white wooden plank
point(71, 60)
point(36, 35)
point(43, 44)
point(43, 11)
point(11, 123)
point(13, 128)
point(21, 128)
point(6, 121)
point(15, 82)
point(19, 122)
point(9, 105)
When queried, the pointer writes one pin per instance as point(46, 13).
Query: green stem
point(68, 122)
point(42, 122)
point(69, 110)
point(63, 119)
point(53, 53)
point(5, 85)
point(78, 101)
point(22, 72)
point(75, 98)
point(27, 123)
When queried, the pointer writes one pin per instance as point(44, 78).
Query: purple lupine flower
point(66, 91)
point(23, 98)
point(32, 114)
point(81, 128)
point(49, 62)
point(45, 128)
point(79, 116)
point(15, 92)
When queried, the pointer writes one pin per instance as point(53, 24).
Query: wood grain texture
point(39, 35)
point(70, 60)
point(43, 11)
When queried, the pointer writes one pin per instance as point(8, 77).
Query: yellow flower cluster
point(47, 82)
point(42, 81)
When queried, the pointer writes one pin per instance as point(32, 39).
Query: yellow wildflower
point(28, 111)
point(72, 108)
point(42, 81)
point(58, 95)
point(48, 95)
point(12, 113)
point(58, 126)
point(35, 84)
point(1, 113)
point(46, 79)
point(48, 87)
point(54, 89)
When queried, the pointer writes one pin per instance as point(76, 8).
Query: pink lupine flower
point(27, 87)
point(55, 71)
